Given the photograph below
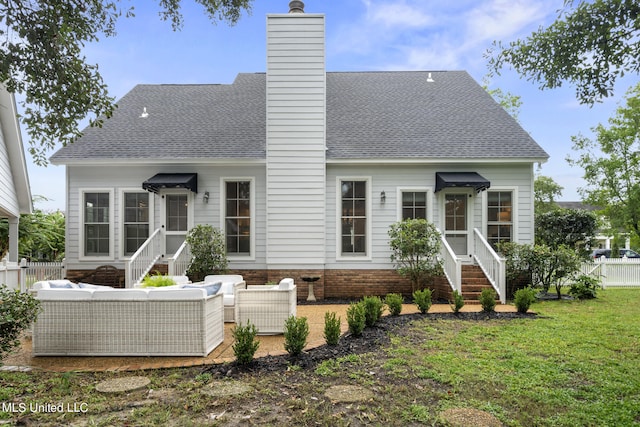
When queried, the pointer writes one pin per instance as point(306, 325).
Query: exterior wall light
point(205, 197)
point(383, 197)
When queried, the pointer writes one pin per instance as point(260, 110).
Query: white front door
point(457, 222)
point(175, 219)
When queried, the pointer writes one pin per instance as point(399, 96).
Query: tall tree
point(591, 44)
point(611, 164)
point(41, 57)
point(510, 102)
point(545, 191)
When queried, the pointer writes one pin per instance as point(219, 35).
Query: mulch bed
point(372, 339)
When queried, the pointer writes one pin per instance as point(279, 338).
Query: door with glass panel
point(176, 220)
point(456, 223)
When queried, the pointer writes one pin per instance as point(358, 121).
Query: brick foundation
point(333, 284)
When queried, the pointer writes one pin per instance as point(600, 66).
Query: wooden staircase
point(473, 282)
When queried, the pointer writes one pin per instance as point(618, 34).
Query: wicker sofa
point(267, 307)
point(101, 321)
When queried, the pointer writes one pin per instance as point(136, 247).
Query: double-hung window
point(353, 217)
point(96, 217)
point(238, 217)
point(136, 221)
point(499, 217)
point(414, 205)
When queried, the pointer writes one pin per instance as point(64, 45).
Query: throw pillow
point(211, 288)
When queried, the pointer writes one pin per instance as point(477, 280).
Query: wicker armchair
point(266, 307)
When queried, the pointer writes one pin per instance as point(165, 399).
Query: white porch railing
point(491, 263)
point(143, 260)
point(451, 264)
point(614, 272)
point(180, 261)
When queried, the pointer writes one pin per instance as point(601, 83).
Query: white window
point(97, 224)
point(354, 218)
point(414, 202)
point(237, 211)
point(500, 217)
point(136, 218)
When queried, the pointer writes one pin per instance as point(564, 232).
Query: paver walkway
point(269, 345)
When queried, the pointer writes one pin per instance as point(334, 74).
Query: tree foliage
point(591, 44)
point(41, 57)
point(208, 252)
point(510, 102)
point(41, 236)
point(574, 228)
point(545, 191)
point(18, 310)
point(544, 266)
point(415, 245)
point(611, 165)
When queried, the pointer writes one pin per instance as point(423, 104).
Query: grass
point(576, 364)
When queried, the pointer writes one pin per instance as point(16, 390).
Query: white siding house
point(303, 170)
point(15, 193)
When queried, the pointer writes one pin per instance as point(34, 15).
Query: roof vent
point(296, 6)
point(144, 114)
point(429, 79)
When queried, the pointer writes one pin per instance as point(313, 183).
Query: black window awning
point(461, 180)
point(171, 180)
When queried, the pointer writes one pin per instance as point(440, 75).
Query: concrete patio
point(269, 345)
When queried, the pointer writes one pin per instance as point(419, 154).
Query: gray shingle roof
point(370, 115)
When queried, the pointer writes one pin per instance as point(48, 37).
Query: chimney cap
point(296, 6)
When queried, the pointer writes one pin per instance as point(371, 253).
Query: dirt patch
point(120, 385)
point(465, 417)
point(348, 394)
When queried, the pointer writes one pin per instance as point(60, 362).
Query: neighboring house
point(15, 193)
point(304, 170)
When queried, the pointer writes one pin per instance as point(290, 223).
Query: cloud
point(429, 34)
point(504, 19)
point(398, 14)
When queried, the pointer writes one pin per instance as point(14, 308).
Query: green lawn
point(576, 364)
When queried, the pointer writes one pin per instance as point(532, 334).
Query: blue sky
point(361, 35)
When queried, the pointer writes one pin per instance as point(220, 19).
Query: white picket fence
point(614, 272)
point(36, 271)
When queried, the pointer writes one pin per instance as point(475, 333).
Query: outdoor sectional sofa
point(89, 320)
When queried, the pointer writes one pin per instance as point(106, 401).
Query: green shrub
point(394, 303)
point(331, 328)
point(296, 332)
point(373, 307)
point(422, 298)
point(523, 298)
point(458, 302)
point(356, 318)
point(415, 246)
point(208, 252)
point(585, 287)
point(245, 345)
point(17, 311)
point(157, 281)
point(488, 300)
